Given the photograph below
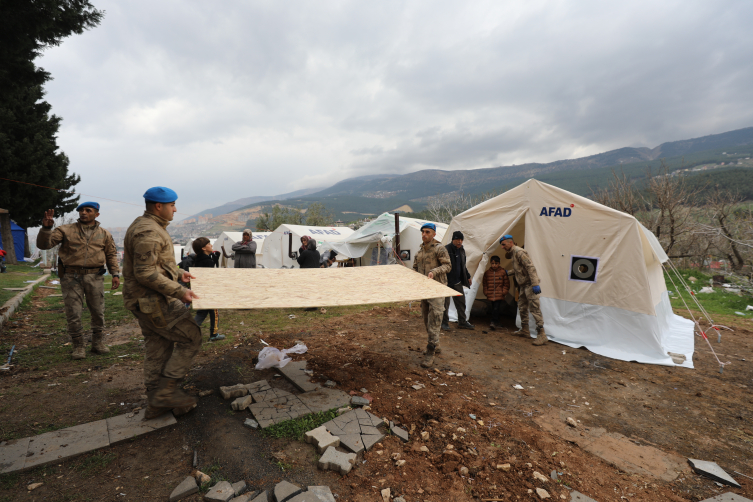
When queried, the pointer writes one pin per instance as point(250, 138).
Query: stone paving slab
point(728, 497)
point(186, 488)
point(122, 428)
point(323, 493)
point(358, 430)
point(221, 492)
point(53, 446)
point(324, 399)
point(713, 471)
point(335, 460)
point(304, 497)
point(294, 371)
point(262, 497)
point(321, 438)
point(273, 411)
point(579, 497)
point(285, 490)
point(268, 394)
point(13, 454)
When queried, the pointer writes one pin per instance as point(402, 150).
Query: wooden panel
point(256, 288)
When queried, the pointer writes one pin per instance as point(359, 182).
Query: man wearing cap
point(456, 279)
point(152, 293)
point(432, 261)
point(85, 249)
point(529, 289)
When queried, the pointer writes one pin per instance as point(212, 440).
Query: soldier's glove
point(536, 289)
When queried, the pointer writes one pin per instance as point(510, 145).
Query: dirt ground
point(667, 412)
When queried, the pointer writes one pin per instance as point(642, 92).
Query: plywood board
point(257, 288)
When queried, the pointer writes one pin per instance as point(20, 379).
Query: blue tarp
point(19, 235)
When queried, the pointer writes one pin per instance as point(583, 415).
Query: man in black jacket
point(456, 279)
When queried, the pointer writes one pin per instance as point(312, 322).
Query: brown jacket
point(496, 284)
point(149, 267)
point(81, 246)
point(525, 272)
point(433, 257)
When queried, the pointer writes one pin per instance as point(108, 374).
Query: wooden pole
point(7, 236)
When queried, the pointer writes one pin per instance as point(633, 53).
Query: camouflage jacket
point(433, 257)
point(149, 267)
point(525, 272)
point(81, 246)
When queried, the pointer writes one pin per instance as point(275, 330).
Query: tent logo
point(583, 268)
point(556, 211)
point(326, 232)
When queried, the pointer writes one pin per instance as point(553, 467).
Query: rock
point(425, 435)
point(233, 391)
point(246, 497)
point(304, 497)
point(34, 486)
point(321, 438)
point(323, 493)
point(368, 398)
point(359, 401)
point(186, 488)
point(340, 411)
point(250, 422)
point(400, 463)
point(335, 460)
point(386, 495)
point(463, 470)
point(330, 384)
point(554, 476)
point(221, 492)
point(205, 393)
point(401, 433)
point(543, 494)
point(398, 499)
point(503, 467)
point(242, 403)
point(262, 497)
point(239, 487)
point(201, 478)
point(571, 422)
point(424, 448)
point(363, 390)
point(540, 477)
point(284, 490)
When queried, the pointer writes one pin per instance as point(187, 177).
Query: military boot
point(437, 350)
point(153, 411)
point(541, 338)
point(98, 344)
point(78, 348)
point(169, 396)
point(525, 332)
point(182, 411)
point(428, 356)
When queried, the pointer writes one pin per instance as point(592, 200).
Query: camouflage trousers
point(77, 289)
point(528, 301)
point(432, 310)
point(171, 341)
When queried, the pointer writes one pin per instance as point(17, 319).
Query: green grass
point(296, 428)
point(16, 277)
point(214, 472)
point(94, 464)
point(720, 302)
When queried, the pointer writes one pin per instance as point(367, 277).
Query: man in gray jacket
point(245, 251)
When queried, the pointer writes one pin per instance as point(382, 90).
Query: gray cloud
point(223, 102)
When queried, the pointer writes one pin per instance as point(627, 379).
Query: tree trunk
point(8, 246)
point(27, 248)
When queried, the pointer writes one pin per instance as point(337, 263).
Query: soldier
point(529, 289)
point(85, 248)
point(152, 293)
point(432, 261)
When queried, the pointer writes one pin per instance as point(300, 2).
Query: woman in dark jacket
point(310, 257)
point(204, 259)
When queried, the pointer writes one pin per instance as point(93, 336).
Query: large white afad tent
point(602, 284)
point(276, 245)
point(367, 244)
point(227, 239)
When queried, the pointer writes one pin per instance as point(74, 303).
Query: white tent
point(189, 245)
point(601, 271)
point(227, 239)
point(369, 241)
point(177, 248)
point(276, 245)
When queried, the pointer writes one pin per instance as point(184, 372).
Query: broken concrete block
point(250, 422)
point(221, 492)
point(304, 497)
point(246, 497)
point(262, 497)
point(334, 460)
point(330, 384)
point(233, 391)
point(579, 497)
point(321, 438)
point(297, 374)
point(727, 497)
point(401, 433)
point(323, 493)
point(540, 477)
point(284, 490)
point(713, 471)
point(259, 386)
point(187, 487)
point(543, 494)
point(242, 403)
point(239, 487)
point(359, 401)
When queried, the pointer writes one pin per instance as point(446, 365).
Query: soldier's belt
point(86, 270)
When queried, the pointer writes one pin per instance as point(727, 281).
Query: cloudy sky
point(227, 100)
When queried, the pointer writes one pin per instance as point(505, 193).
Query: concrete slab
point(13, 454)
point(321, 438)
point(246, 497)
point(53, 446)
point(186, 488)
point(324, 399)
point(123, 427)
point(262, 497)
point(295, 372)
point(241, 403)
point(304, 497)
point(270, 393)
point(713, 471)
point(399, 432)
point(335, 460)
point(323, 493)
point(273, 411)
point(728, 497)
point(358, 430)
point(233, 391)
point(221, 492)
point(285, 490)
point(259, 386)
point(239, 487)
point(579, 497)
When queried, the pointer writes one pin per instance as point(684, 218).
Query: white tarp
point(601, 277)
point(380, 233)
point(276, 245)
point(227, 239)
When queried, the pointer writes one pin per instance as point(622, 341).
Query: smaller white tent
point(277, 244)
point(367, 244)
point(227, 239)
point(177, 249)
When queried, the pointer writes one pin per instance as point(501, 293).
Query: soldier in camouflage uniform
point(151, 291)
point(529, 289)
point(85, 248)
point(432, 261)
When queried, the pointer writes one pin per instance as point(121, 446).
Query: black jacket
point(203, 260)
point(309, 259)
point(459, 272)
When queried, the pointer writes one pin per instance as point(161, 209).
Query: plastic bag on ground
point(271, 357)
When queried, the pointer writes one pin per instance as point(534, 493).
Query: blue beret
point(87, 204)
point(505, 237)
point(429, 225)
point(160, 194)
